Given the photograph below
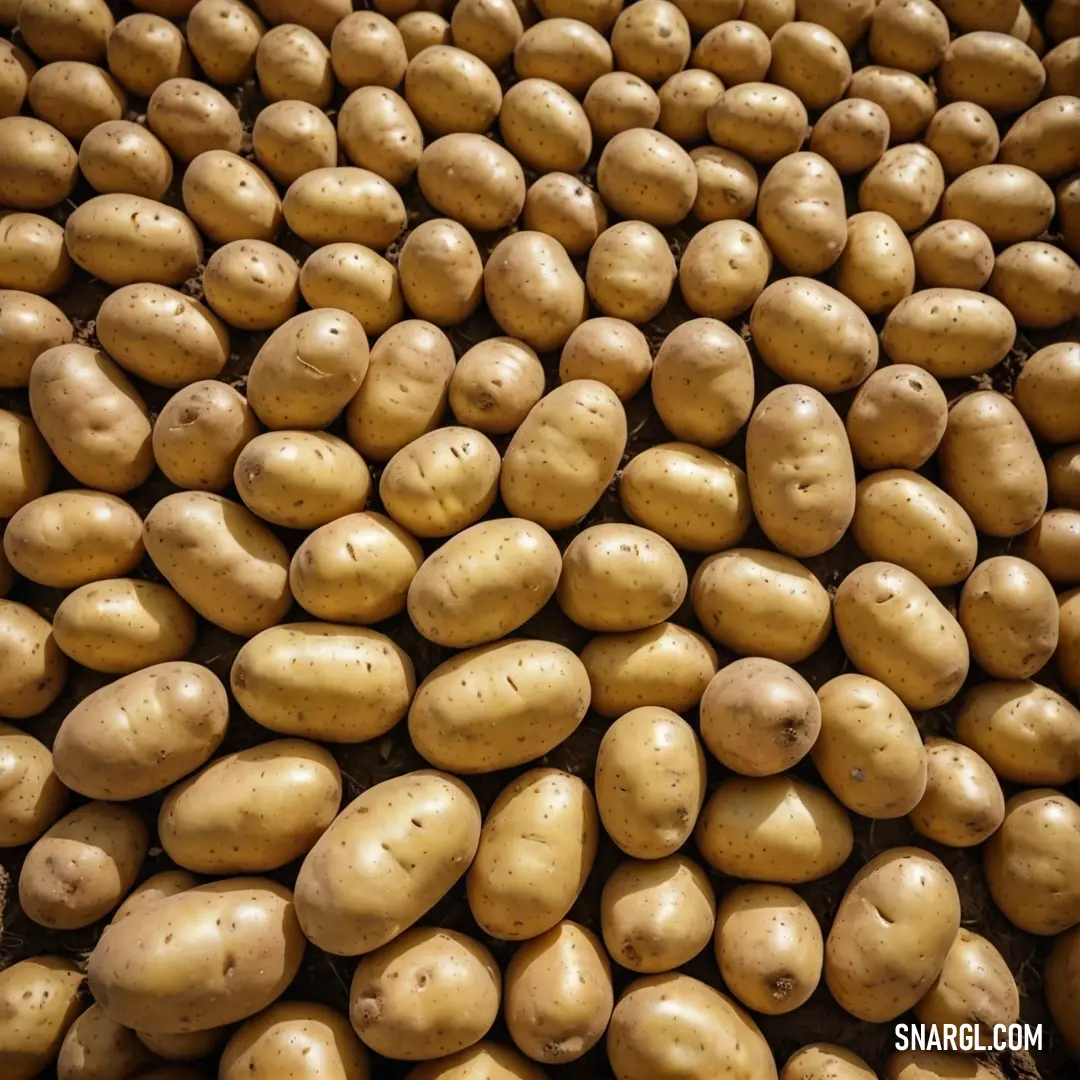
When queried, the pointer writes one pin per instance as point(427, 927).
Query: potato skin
point(230, 198)
point(630, 272)
point(1052, 545)
point(953, 255)
point(120, 157)
point(150, 891)
point(724, 269)
point(27, 465)
point(33, 670)
point(876, 268)
point(897, 418)
point(612, 351)
point(33, 255)
point(877, 968)
point(252, 284)
point(1039, 283)
point(40, 1000)
point(544, 126)
point(442, 275)
point(564, 50)
point(31, 795)
point(98, 1048)
point(963, 803)
point(472, 180)
point(643, 175)
point(483, 1061)
point(993, 70)
point(518, 888)
point(906, 183)
point(1044, 138)
point(978, 197)
point(907, 100)
point(1047, 392)
point(761, 121)
point(378, 131)
point(450, 90)
point(1061, 983)
point(354, 892)
point(344, 203)
point(40, 167)
point(30, 325)
point(851, 135)
point(141, 733)
point(816, 1061)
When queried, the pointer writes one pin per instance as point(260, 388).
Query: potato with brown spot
point(495, 385)
point(31, 795)
point(451, 90)
point(759, 120)
point(897, 418)
point(727, 185)
point(1038, 282)
point(993, 70)
point(963, 803)
point(651, 41)
point(441, 272)
point(564, 50)
point(40, 999)
point(953, 254)
point(631, 272)
point(291, 138)
point(906, 183)
point(812, 61)
point(292, 64)
point(75, 97)
point(851, 135)
point(27, 465)
point(1047, 392)
point(33, 254)
point(567, 209)
point(618, 101)
point(908, 101)
point(964, 136)
point(611, 351)
point(224, 37)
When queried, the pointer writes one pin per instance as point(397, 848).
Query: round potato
point(224, 36)
point(25, 459)
point(96, 1047)
point(1047, 392)
point(354, 893)
point(724, 269)
point(877, 268)
point(1039, 283)
point(33, 669)
point(354, 279)
point(488, 30)
point(452, 90)
point(292, 138)
point(646, 818)
point(727, 185)
point(611, 351)
point(441, 272)
point(495, 385)
point(566, 51)
point(75, 97)
point(292, 64)
point(993, 70)
point(473, 180)
point(229, 198)
point(33, 254)
point(653, 41)
point(38, 165)
point(631, 272)
point(812, 61)
point(31, 795)
point(544, 125)
point(684, 100)
point(252, 284)
point(963, 803)
point(953, 255)
point(897, 418)
point(906, 183)
point(761, 121)
point(619, 101)
point(816, 1061)
point(568, 210)
point(964, 136)
point(40, 1000)
point(1008, 202)
point(482, 1061)
point(909, 36)
point(29, 325)
point(322, 681)
point(645, 175)
point(366, 50)
point(325, 206)
point(378, 131)
point(851, 135)
point(759, 717)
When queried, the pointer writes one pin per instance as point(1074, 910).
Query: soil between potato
point(326, 979)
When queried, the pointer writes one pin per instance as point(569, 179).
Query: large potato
point(291, 138)
point(953, 255)
point(812, 61)
point(653, 41)
point(321, 681)
point(30, 324)
point(993, 70)
point(325, 206)
point(630, 272)
point(150, 891)
point(190, 117)
point(31, 795)
point(1047, 392)
point(892, 932)
point(39, 1001)
point(1039, 283)
point(906, 183)
point(1008, 202)
point(472, 180)
point(645, 175)
point(96, 1047)
point(877, 267)
point(909, 36)
point(292, 64)
point(761, 121)
point(1045, 138)
point(367, 50)
point(897, 418)
point(536, 851)
point(498, 706)
point(75, 97)
point(495, 384)
point(451, 90)
point(378, 131)
point(442, 275)
point(212, 955)
point(390, 856)
point(894, 629)
point(144, 50)
point(38, 166)
point(963, 803)
point(650, 782)
point(964, 136)
point(544, 126)
point(33, 670)
point(851, 135)
point(724, 268)
point(221, 559)
point(26, 465)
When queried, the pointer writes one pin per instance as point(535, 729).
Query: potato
point(353, 684)
point(451, 90)
point(33, 669)
point(666, 665)
point(301, 479)
point(292, 138)
point(307, 1039)
point(906, 183)
point(354, 279)
point(901, 517)
point(652, 41)
point(909, 36)
point(876, 268)
point(727, 185)
point(378, 132)
point(963, 804)
point(75, 97)
point(33, 255)
point(366, 50)
point(344, 204)
point(70, 30)
point(619, 101)
point(544, 125)
point(27, 463)
point(1028, 733)
point(257, 947)
point(482, 1061)
point(1052, 546)
point(150, 891)
point(897, 418)
point(964, 136)
point(953, 255)
point(221, 559)
point(847, 19)
point(981, 14)
point(993, 70)
point(1068, 207)
point(224, 36)
point(231, 199)
point(98, 1048)
point(724, 269)
point(558, 993)
point(190, 117)
point(811, 61)
point(986, 438)
point(1060, 64)
point(16, 71)
point(39, 999)
point(124, 239)
point(851, 135)
point(252, 284)
point(735, 51)
point(83, 866)
point(568, 210)
point(646, 175)
point(1063, 473)
point(611, 351)
point(761, 121)
point(894, 629)
point(818, 1061)
point(892, 932)
point(38, 165)
point(1038, 283)
point(320, 17)
point(382, 418)
point(377, 869)
point(488, 30)
point(649, 782)
point(800, 471)
point(473, 180)
point(566, 51)
point(809, 333)
point(631, 271)
point(1008, 202)
point(92, 417)
point(1048, 392)
point(29, 325)
point(684, 100)
point(1043, 140)
point(442, 482)
point(308, 370)
point(1061, 984)
point(441, 272)
point(908, 101)
point(292, 64)
point(1030, 862)
point(599, 14)
point(31, 795)
point(495, 384)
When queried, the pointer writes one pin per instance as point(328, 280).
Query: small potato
point(894, 927)
point(993, 70)
point(897, 418)
point(451, 90)
point(190, 118)
point(1030, 862)
point(144, 51)
point(761, 603)
point(124, 239)
point(652, 40)
point(1063, 473)
point(495, 384)
point(70, 30)
point(487, 29)
point(473, 180)
point(518, 889)
point(818, 1061)
point(735, 51)
point(724, 269)
point(964, 136)
point(769, 947)
point(1048, 392)
point(33, 255)
point(909, 36)
point(31, 795)
point(378, 132)
point(963, 804)
point(1061, 984)
point(727, 185)
point(292, 138)
point(38, 165)
point(26, 466)
point(1008, 202)
point(869, 752)
point(366, 50)
point(177, 987)
point(1053, 544)
point(75, 97)
point(98, 1048)
point(631, 271)
point(567, 209)
point(685, 98)
point(441, 272)
point(1038, 283)
point(566, 51)
point(292, 64)
point(809, 333)
point(252, 284)
point(231, 199)
point(906, 183)
point(773, 828)
point(1061, 68)
point(224, 36)
point(69, 538)
point(851, 135)
point(119, 157)
point(908, 101)
point(40, 1000)
point(354, 893)
point(382, 418)
point(611, 351)
point(1044, 139)
point(558, 993)
point(645, 175)
point(565, 454)
point(150, 891)
point(761, 121)
point(619, 101)
point(34, 669)
point(353, 684)
point(953, 255)
point(877, 267)
point(92, 417)
point(29, 325)
point(354, 279)
point(344, 204)
point(544, 126)
point(657, 914)
point(16, 71)
point(759, 717)
point(649, 782)
point(811, 61)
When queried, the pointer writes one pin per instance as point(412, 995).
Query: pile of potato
point(650, 434)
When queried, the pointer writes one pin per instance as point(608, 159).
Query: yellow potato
point(964, 136)
point(906, 183)
point(1052, 546)
point(366, 50)
point(31, 795)
point(292, 64)
point(33, 669)
point(618, 101)
point(38, 165)
point(1061, 71)
point(452, 90)
point(611, 351)
point(354, 279)
point(291, 138)
point(761, 121)
point(851, 135)
point(96, 1047)
point(378, 131)
point(1039, 283)
point(646, 175)
point(75, 97)
point(318, 16)
point(29, 325)
point(1068, 654)
point(897, 418)
point(651, 41)
point(1048, 392)
point(33, 254)
point(847, 19)
point(736, 51)
point(39, 1000)
point(543, 125)
point(27, 465)
point(229, 198)
point(1045, 138)
point(727, 185)
point(993, 70)
point(818, 1061)
point(252, 284)
point(1008, 202)
point(599, 14)
point(908, 101)
point(684, 100)
point(473, 180)
point(564, 50)
point(323, 681)
point(724, 269)
point(953, 255)
point(344, 204)
point(487, 30)
point(811, 61)
point(909, 36)
point(16, 71)
point(981, 14)
point(224, 36)
point(495, 384)
point(631, 271)
point(963, 804)
point(877, 267)
point(190, 117)
point(441, 272)
point(1061, 984)
point(568, 210)
point(483, 1061)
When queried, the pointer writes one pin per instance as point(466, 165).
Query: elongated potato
point(876, 268)
point(347, 204)
point(963, 803)
point(33, 670)
point(39, 1000)
point(31, 795)
point(1008, 202)
point(906, 183)
point(993, 70)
